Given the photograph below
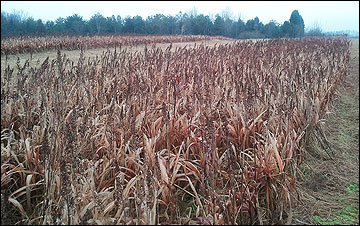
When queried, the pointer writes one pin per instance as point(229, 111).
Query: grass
point(344, 216)
point(352, 188)
point(347, 215)
point(337, 200)
point(323, 221)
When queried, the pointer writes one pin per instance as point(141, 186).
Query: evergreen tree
point(74, 24)
point(96, 23)
point(297, 23)
point(272, 30)
point(219, 25)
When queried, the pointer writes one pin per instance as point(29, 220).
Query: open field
point(14, 45)
point(73, 55)
point(205, 134)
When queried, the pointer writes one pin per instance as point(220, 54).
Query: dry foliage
point(23, 44)
point(207, 135)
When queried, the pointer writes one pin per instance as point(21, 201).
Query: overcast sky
point(329, 16)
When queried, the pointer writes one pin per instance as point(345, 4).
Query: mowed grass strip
point(329, 187)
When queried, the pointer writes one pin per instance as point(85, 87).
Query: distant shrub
point(250, 34)
point(314, 32)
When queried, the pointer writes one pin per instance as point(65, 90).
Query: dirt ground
point(329, 188)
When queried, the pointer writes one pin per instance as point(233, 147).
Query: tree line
point(14, 24)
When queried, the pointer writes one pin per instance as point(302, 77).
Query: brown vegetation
point(191, 136)
point(326, 185)
point(13, 45)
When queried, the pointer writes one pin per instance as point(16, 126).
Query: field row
point(37, 44)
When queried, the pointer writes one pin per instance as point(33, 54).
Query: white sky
point(328, 15)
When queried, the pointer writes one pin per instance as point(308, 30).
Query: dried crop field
point(202, 135)
point(40, 43)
